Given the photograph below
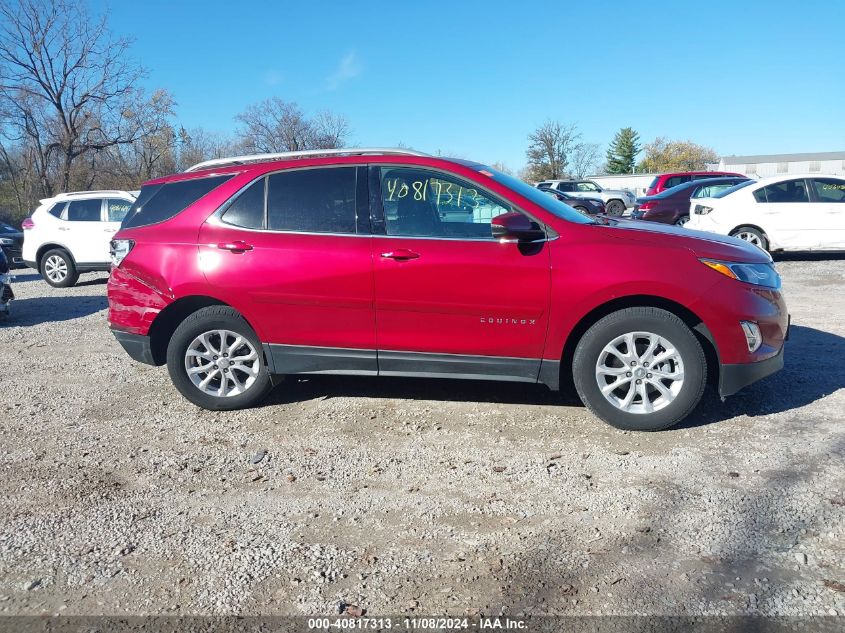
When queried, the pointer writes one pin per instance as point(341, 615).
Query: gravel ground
point(417, 497)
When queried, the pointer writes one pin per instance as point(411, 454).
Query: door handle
point(238, 246)
point(401, 255)
point(110, 230)
point(64, 228)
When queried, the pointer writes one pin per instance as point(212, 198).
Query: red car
point(393, 263)
point(662, 182)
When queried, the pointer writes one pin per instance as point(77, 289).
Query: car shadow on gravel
point(808, 257)
point(300, 388)
point(29, 312)
point(812, 370)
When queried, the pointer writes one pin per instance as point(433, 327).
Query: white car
point(615, 200)
point(789, 213)
point(71, 233)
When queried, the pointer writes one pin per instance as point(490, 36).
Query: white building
point(763, 165)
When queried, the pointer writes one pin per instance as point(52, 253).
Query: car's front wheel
point(215, 360)
point(58, 269)
point(615, 208)
point(640, 369)
point(681, 221)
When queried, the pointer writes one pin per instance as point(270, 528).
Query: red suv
point(392, 263)
point(662, 182)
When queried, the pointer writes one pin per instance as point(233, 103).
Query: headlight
point(119, 250)
point(757, 274)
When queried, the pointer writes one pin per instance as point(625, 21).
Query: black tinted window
point(57, 209)
point(158, 203)
point(247, 210)
point(84, 210)
point(312, 200)
point(674, 181)
point(789, 191)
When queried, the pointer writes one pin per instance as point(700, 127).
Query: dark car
point(6, 295)
point(662, 182)
point(11, 243)
point(590, 206)
point(672, 206)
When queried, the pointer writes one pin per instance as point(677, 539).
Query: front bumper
point(136, 345)
point(732, 378)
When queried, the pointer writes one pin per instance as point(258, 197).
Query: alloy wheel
point(640, 372)
point(750, 237)
point(55, 268)
point(222, 363)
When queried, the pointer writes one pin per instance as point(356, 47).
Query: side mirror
point(515, 227)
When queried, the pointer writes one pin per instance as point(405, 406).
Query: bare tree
point(197, 145)
point(549, 149)
point(65, 85)
point(584, 159)
point(274, 125)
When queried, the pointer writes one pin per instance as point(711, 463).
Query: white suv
point(70, 233)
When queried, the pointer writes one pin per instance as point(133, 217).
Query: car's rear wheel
point(752, 236)
point(615, 208)
point(58, 269)
point(215, 360)
point(640, 369)
point(681, 221)
point(578, 207)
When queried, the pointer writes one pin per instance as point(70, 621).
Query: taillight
point(645, 206)
point(119, 250)
point(27, 224)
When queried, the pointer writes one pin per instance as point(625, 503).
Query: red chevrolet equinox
point(395, 263)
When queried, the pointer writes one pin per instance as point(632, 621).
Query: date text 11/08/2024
point(417, 624)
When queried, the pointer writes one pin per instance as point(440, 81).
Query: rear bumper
point(136, 345)
point(732, 378)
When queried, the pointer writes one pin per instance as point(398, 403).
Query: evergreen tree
point(622, 154)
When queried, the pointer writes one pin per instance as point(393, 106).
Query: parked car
point(662, 182)
point(615, 200)
point(244, 268)
point(590, 206)
point(780, 213)
point(672, 206)
point(11, 243)
point(70, 233)
point(6, 294)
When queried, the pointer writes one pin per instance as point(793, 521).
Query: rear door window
point(674, 181)
point(783, 192)
point(318, 200)
point(247, 210)
point(157, 203)
point(85, 210)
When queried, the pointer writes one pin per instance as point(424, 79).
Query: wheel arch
point(750, 226)
point(49, 246)
point(692, 320)
point(165, 324)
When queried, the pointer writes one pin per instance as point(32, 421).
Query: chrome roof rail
point(257, 158)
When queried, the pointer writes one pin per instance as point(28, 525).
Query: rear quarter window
point(157, 203)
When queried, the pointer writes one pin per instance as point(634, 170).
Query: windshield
point(730, 190)
point(540, 198)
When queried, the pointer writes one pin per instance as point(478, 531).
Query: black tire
point(57, 268)
point(650, 320)
point(581, 209)
point(615, 208)
point(682, 220)
point(749, 234)
point(206, 320)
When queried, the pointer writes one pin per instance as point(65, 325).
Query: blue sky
point(473, 78)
